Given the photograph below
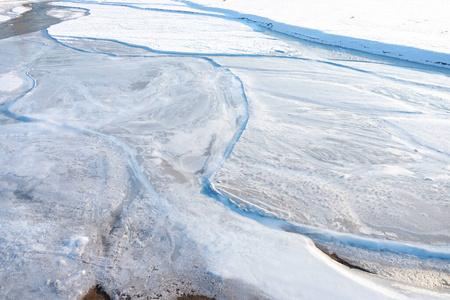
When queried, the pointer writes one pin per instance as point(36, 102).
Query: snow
point(13, 9)
point(412, 30)
point(9, 10)
point(9, 81)
point(173, 31)
point(162, 147)
point(64, 14)
point(326, 132)
point(19, 10)
point(4, 18)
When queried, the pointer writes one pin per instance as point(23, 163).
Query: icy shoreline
point(415, 31)
point(104, 185)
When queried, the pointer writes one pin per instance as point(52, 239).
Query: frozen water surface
point(370, 151)
point(119, 131)
point(168, 30)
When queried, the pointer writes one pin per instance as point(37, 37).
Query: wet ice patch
point(117, 122)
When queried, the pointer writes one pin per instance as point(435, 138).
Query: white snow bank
point(13, 9)
point(414, 30)
point(173, 6)
point(18, 10)
point(9, 81)
point(329, 147)
point(3, 16)
point(10, 10)
point(168, 31)
point(65, 14)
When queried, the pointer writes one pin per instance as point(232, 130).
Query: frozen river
point(159, 148)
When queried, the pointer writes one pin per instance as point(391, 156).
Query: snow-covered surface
point(3, 18)
point(408, 29)
point(9, 81)
point(16, 11)
point(173, 31)
point(120, 130)
point(360, 142)
point(7, 13)
point(13, 9)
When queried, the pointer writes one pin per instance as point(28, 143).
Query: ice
point(121, 130)
point(65, 14)
point(55, 199)
point(11, 9)
point(95, 129)
point(3, 18)
point(173, 31)
point(169, 6)
point(18, 10)
point(9, 81)
point(335, 141)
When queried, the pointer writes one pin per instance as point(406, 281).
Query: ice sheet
point(61, 193)
point(341, 151)
point(107, 147)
